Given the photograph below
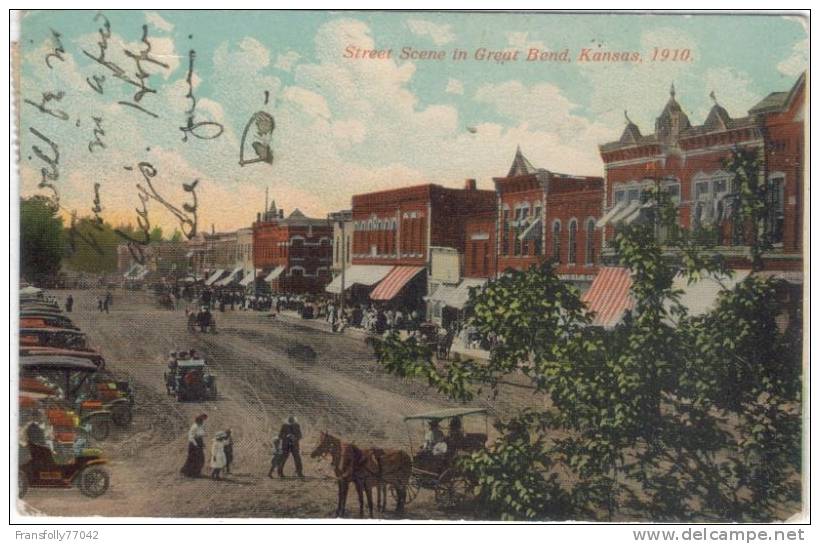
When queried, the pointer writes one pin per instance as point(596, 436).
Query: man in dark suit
point(290, 434)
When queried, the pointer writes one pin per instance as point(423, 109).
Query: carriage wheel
point(411, 491)
point(452, 489)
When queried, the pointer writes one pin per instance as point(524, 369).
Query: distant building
point(688, 161)
point(547, 216)
point(294, 253)
point(394, 231)
point(342, 222)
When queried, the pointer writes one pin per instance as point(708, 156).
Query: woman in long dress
point(196, 448)
point(218, 459)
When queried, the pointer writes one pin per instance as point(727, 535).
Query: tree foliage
point(666, 417)
point(41, 247)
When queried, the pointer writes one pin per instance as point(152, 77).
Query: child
point(228, 451)
point(276, 458)
point(217, 455)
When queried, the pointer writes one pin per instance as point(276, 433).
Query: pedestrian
point(228, 451)
point(276, 456)
point(109, 298)
point(218, 461)
point(291, 434)
point(196, 448)
point(100, 304)
point(69, 303)
point(105, 304)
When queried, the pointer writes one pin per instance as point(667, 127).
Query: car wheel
point(100, 428)
point(122, 416)
point(94, 481)
point(22, 484)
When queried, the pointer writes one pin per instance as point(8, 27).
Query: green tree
point(637, 416)
point(91, 246)
point(40, 240)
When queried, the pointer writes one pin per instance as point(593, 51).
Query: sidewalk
point(353, 332)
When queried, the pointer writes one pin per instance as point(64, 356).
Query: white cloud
point(798, 61)
point(522, 41)
point(311, 103)
point(440, 33)
point(286, 61)
point(156, 19)
point(454, 86)
point(732, 89)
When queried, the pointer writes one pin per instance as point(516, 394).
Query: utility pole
point(343, 254)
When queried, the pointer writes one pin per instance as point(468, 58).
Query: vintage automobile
point(117, 396)
point(53, 337)
point(435, 467)
point(190, 379)
point(62, 461)
point(70, 376)
point(45, 321)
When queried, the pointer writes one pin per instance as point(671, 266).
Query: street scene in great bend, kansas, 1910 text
point(396, 266)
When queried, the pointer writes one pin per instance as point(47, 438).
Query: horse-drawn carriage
point(437, 339)
point(189, 379)
point(435, 464)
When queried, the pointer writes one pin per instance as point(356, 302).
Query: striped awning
point(394, 281)
point(361, 274)
point(532, 231)
point(608, 297)
point(275, 273)
point(215, 276)
point(249, 277)
point(231, 277)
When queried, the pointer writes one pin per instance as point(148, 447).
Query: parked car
point(190, 379)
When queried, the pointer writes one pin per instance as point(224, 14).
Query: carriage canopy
point(447, 414)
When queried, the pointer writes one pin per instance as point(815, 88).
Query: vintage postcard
point(410, 265)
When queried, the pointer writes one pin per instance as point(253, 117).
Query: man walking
point(290, 434)
point(69, 303)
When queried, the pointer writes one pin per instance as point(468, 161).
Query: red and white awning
point(394, 281)
point(608, 296)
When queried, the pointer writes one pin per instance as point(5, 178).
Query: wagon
point(436, 467)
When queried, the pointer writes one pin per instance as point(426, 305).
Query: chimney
point(469, 184)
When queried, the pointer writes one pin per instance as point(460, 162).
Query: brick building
point(545, 215)
point(688, 162)
point(480, 245)
point(394, 231)
point(294, 253)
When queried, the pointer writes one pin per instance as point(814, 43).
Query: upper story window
point(556, 241)
point(709, 198)
point(573, 241)
point(590, 253)
point(776, 207)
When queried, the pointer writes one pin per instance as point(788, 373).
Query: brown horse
point(366, 468)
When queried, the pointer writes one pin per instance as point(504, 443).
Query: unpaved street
point(266, 369)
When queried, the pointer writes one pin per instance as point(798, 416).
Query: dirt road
point(266, 370)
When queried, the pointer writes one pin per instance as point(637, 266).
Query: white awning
point(701, 296)
point(215, 276)
point(275, 273)
point(362, 274)
point(131, 271)
point(249, 277)
point(230, 277)
point(143, 271)
point(616, 209)
point(627, 214)
point(532, 232)
point(456, 296)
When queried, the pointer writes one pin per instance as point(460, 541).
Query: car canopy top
point(51, 362)
point(191, 363)
point(447, 414)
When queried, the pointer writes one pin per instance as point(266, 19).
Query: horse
point(366, 468)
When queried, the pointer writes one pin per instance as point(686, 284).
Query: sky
point(346, 126)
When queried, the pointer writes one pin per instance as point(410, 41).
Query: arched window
point(573, 239)
point(556, 241)
point(590, 241)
